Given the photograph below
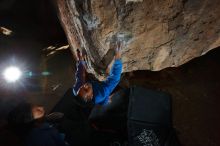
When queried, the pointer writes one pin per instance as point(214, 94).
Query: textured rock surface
point(157, 34)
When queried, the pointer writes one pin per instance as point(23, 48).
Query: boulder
point(156, 34)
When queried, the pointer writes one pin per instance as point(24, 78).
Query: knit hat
point(21, 114)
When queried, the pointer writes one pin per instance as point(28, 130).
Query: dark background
point(35, 26)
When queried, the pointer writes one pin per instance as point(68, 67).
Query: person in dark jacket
point(97, 92)
point(28, 121)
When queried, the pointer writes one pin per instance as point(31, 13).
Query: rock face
point(157, 34)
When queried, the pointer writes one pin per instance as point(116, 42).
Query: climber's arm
point(114, 76)
point(80, 75)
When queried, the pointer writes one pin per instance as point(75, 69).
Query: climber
point(94, 91)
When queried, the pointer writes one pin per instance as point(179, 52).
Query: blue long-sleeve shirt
point(101, 90)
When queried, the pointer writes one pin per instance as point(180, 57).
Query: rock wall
point(156, 33)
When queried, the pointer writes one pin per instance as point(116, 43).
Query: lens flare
point(12, 74)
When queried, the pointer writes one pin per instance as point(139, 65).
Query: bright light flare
point(12, 74)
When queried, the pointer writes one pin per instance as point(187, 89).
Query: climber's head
point(86, 92)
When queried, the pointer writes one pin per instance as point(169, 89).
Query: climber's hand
point(118, 50)
point(80, 56)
